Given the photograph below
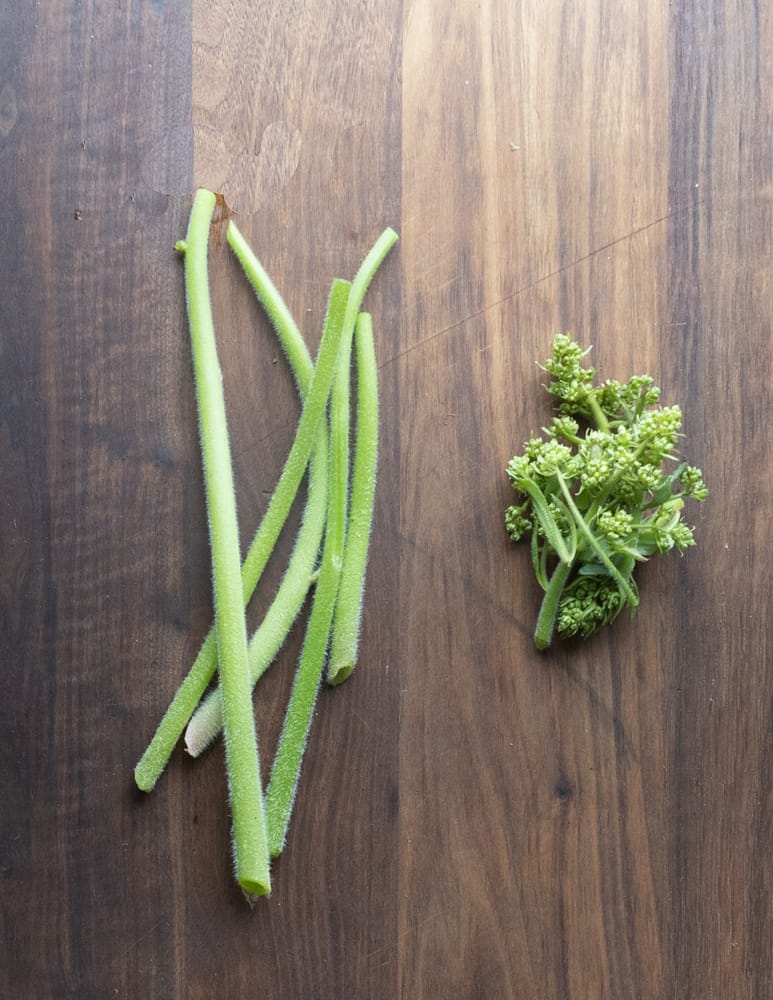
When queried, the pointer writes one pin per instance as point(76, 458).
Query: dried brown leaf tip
point(222, 212)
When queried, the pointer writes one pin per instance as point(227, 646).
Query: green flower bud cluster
point(615, 526)
point(587, 604)
point(597, 495)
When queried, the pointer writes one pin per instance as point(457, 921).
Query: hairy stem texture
point(280, 794)
point(249, 822)
point(346, 622)
point(193, 687)
point(546, 620)
point(207, 720)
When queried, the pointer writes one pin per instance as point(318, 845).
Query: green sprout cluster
point(601, 491)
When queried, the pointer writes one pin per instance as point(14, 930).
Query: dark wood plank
point(474, 820)
point(720, 719)
point(100, 487)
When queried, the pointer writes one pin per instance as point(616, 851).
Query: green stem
point(367, 269)
point(280, 794)
point(622, 583)
point(266, 642)
point(275, 308)
point(190, 692)
point(348, 610)
point(539, 555)
point(546, 519)
point(598, 414)
point(546, 620)
point(249, 822)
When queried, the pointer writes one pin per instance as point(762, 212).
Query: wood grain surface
point(475, 820)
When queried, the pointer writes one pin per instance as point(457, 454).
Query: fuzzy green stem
point(249, 822)
point(366, 271)
point(348, 610)
point(622, 583)
point(207, 720)
point(546, 519)
point(598, 414)
point(190, 692)
point(280, 794)
point(546, 621)
point(275, 308)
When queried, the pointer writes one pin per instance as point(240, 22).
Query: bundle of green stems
point(329, 556)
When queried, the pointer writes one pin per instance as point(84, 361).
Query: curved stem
point(275, 308)
point(614, 572)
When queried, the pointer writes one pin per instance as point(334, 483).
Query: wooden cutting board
point(474, 819)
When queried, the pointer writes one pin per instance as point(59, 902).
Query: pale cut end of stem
point(341, 672)
point(253, 887)
point(203, 727)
